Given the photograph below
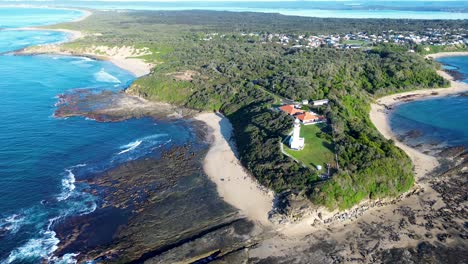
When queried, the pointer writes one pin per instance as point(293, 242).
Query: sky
point(370, 1)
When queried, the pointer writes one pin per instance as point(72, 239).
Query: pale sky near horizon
point(272, 0)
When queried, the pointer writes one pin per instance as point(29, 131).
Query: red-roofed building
point(291, 110)
point(309, 118)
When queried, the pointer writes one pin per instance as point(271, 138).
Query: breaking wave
point(129, 147)
point(12, 223)
point(68, 185)
point(103, 76)
point(35, 248)
point(147, 143)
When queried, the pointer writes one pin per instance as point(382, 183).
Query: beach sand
point(124, 57)
point(233, 183)
point(422, 217)
point(379, 116)
point(242, 191)
point(447, 54)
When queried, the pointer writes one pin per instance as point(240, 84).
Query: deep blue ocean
point(348, 9)
point(40, 155)
point(441, 121)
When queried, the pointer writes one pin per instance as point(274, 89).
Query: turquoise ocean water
point(42, 156)
point(345, 9)
point(441, 121)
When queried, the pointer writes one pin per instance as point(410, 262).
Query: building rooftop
point(291, 110)
point(308, 116)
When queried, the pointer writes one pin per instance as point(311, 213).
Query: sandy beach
point(379, 116)
point(233, 183)
point(426, 215)
point(447, 54)
point(125, 57)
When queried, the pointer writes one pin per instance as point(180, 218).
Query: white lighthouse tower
point(296, 142)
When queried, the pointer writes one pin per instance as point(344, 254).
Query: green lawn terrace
point(318, 147)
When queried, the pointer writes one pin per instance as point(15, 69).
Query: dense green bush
point(243, 79)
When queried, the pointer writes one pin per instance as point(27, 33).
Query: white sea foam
point(82, 62)
point(79, 165)
point(44, 245)
point(155, 136)
point(12, 223)
point(68, 185)
point(89, 210)
point(65, 259)
point(103, 76)
point(36, 248)
point(133, 145)
point(129, 147)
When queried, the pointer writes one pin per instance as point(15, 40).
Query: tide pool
point(42, 157)
point(440, 121)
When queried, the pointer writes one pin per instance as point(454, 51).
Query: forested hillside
point(240, 78)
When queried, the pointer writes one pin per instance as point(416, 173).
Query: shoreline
point(423, 164)
point(122, 57)
point(379, 114)
point(446, 54)
point(234, 185)
point(72, 34)
point(86, 12)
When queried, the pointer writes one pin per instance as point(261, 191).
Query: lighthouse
point(296, 142)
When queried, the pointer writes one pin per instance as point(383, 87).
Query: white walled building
point(295, 141)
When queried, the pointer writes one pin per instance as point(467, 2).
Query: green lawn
point(317, 150)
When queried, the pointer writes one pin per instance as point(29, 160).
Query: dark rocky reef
point(456, 75)
point(113, 106)
point(154, 210)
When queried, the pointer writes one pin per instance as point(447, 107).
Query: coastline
point(234, 185)
point(446, 54)
point(123, 57)
point(72, 34)
point(406, 221)
point(423, 163)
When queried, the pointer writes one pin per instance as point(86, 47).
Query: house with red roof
point(291, 110)
point(309, 118)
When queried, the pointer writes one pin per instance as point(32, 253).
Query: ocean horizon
point(61, 174)
point(43, 158)
point(340, 9)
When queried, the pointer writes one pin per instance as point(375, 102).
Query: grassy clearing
point(318, 149)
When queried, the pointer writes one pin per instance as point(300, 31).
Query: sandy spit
point(446, 54)
point(123, 57)
point(233, 183)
